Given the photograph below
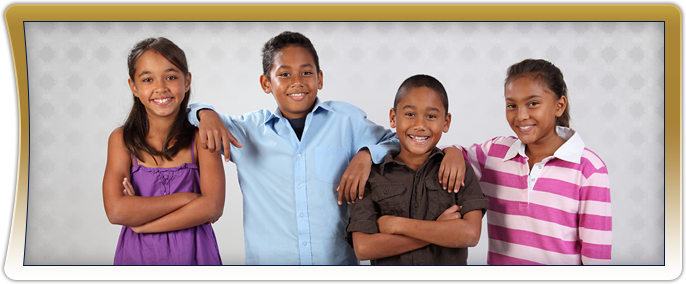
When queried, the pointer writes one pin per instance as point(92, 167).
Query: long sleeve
point(595, 213)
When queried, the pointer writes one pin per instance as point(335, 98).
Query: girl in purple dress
point(155, 169)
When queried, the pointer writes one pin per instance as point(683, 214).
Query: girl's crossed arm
point(129, 210)
point(206, 208)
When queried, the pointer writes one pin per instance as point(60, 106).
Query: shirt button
point(304, 243)
point(301, 214)
point(416, 205)
point(300, 185)
point(539, 167)
point(533, 179)
point(299, 156)
point(385, 191)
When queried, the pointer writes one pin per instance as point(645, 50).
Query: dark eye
point(510, 106)
point(533, 103)
point(431, 116)
point(410, 114)
point(147, 80)
point(171, 77)
point(307, 73)
point(284, 74)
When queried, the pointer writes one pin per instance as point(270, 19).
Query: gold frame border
point(15, 15)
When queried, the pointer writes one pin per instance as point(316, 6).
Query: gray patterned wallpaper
point(78, 95)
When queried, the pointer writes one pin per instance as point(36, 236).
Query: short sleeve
point(363, 215)
point(470, 196)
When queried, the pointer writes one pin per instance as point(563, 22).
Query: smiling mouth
point(418, 139)
point(296, 95)
point(525, 128)
point(162, 100)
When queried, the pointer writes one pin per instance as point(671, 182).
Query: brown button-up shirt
point(395, 189)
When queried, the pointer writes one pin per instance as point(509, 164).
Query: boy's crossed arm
point(399, 235)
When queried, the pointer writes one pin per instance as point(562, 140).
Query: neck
point(413, 161)
point(159, 126)
point(544, 147)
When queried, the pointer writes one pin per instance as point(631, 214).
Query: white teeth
point(297, 95)
point(163, 100)
point(419, 139)
point(525, 127)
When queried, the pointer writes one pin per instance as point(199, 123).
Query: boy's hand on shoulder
point(452, 170)
point(213, 133)
point(452, 213)
point(355, 177)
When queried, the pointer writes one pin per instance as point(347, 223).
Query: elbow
point(473, 238)
point(216, 211)
point(115, 215)
point(361, 252)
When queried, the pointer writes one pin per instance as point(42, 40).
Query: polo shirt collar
point(570, 151)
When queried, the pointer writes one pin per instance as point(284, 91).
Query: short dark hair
point(421, 80)
point(273, 45)
point(546, 73)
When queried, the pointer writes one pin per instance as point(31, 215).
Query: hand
point(452, 169)
point(452, 213)
point(355, 177)
point(138, 229)
point(128, 188)
point(386, 224)
point(214, 133)
point(212, 222)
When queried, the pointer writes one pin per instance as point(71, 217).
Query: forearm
point(137, 210)
point(450, 233)
point(199, 211)
point(375, 246)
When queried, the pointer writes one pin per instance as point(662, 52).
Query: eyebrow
point(165, 71)
point(302, 65)
point(527, 98)
point(413, 107)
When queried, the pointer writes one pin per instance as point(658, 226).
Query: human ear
point(446, 124)
point(188, 81)
point(133, 87)
point(320, 80)
point(265, 84)
point(391, 116)
point(560, 106)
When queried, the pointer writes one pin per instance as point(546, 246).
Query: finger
point(353, 190)
point(452, 181)
point(203, 140)
point(440, 173)
point(459, 177)
point(233, 141)
point(340, 195)
point(363, 183)
point(444, 179)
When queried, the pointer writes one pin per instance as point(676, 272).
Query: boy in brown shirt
point(408, 219)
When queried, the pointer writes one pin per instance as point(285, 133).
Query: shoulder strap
point(193, 150)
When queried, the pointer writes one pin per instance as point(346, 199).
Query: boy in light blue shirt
point(293, 159)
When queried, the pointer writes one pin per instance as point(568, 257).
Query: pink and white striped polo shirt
point(556, 213)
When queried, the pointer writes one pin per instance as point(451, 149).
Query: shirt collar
point(277, 113)
point(570, 151)
point(388, 159)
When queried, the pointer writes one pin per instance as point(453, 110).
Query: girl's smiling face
point(294, 81)
point(532, 109)
point(159, 85)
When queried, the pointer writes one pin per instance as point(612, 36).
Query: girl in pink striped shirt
point(549, 196)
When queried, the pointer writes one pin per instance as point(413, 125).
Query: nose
point(296, 81)
point(419, 124)
point(522, 113)
point(159, 86)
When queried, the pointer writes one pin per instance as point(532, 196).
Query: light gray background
point(78, 95)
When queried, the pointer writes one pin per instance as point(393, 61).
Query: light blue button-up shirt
point(291, 214)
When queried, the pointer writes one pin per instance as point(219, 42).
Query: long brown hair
point(137, 126)
point(546, 73)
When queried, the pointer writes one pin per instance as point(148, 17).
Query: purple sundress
point(191, 246)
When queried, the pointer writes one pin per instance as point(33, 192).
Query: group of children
point(547, 196)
